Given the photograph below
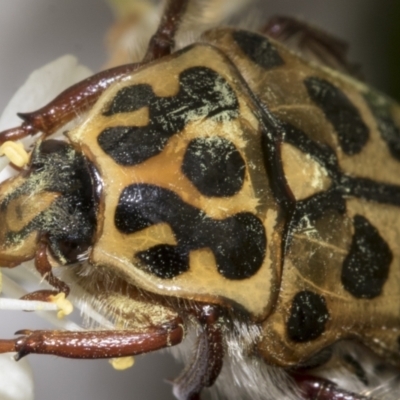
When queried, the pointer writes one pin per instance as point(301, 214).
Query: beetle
point(202, 176)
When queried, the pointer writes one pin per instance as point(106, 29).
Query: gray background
point(34, 32)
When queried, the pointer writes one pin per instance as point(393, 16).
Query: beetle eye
point(36, 166)
point(49, 154)
point(73, 251)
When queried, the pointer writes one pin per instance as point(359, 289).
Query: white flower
point(16, 382)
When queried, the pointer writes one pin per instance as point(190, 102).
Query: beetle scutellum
point(256, 223)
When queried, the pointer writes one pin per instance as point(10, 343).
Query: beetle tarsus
point(40, 295)
point(312, 42)
point(44, 267)
point(7, 346)
point(18, 132)
point(23, 332)
point(207, 362)
point(315, 388)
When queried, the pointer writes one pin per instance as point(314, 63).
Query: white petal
point(16, 381)
point(42, 86)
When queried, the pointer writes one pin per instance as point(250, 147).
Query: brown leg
point(313, 43)
point(80, 97)
point(207, 362)
point(315, 388)
point(43, 266)
point(162, 42)
point(76, 99)
point(93, 344)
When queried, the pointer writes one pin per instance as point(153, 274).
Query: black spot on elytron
point(308, 316)
point(357, 368)
point(272, 134)
point(342, 186)
point(203, 93)
point(214, 166)
point(366, 267)
point(164, 261)
point(130, 99)
point(309, 210)
point(388, 129)
point(238, 242)
point(258, 48)
point(352, 132)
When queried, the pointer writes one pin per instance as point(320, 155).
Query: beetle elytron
point(231, 185)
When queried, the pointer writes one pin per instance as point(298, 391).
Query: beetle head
point(51, 199)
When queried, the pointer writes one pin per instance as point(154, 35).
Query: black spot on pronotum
point(366, 267)
point(238, 242)
point(130, 99)
point(258, 48)
point(164, 261)
point(352, 132)
point(214, 166)
point(308, 316)
point(203, 93)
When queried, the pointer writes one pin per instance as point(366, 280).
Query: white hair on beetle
point(244, 376)
point(357, 369)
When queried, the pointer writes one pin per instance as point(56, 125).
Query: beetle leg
point(315, 388)
point(76, 99)
point(207, 363)
point(162, 42)
point(44, 267)
point(81, 96)
point(314, 43)
point(94, 344)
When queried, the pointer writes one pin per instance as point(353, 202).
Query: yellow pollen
point(15, 152)
point(64, 305)
point(122, 363)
